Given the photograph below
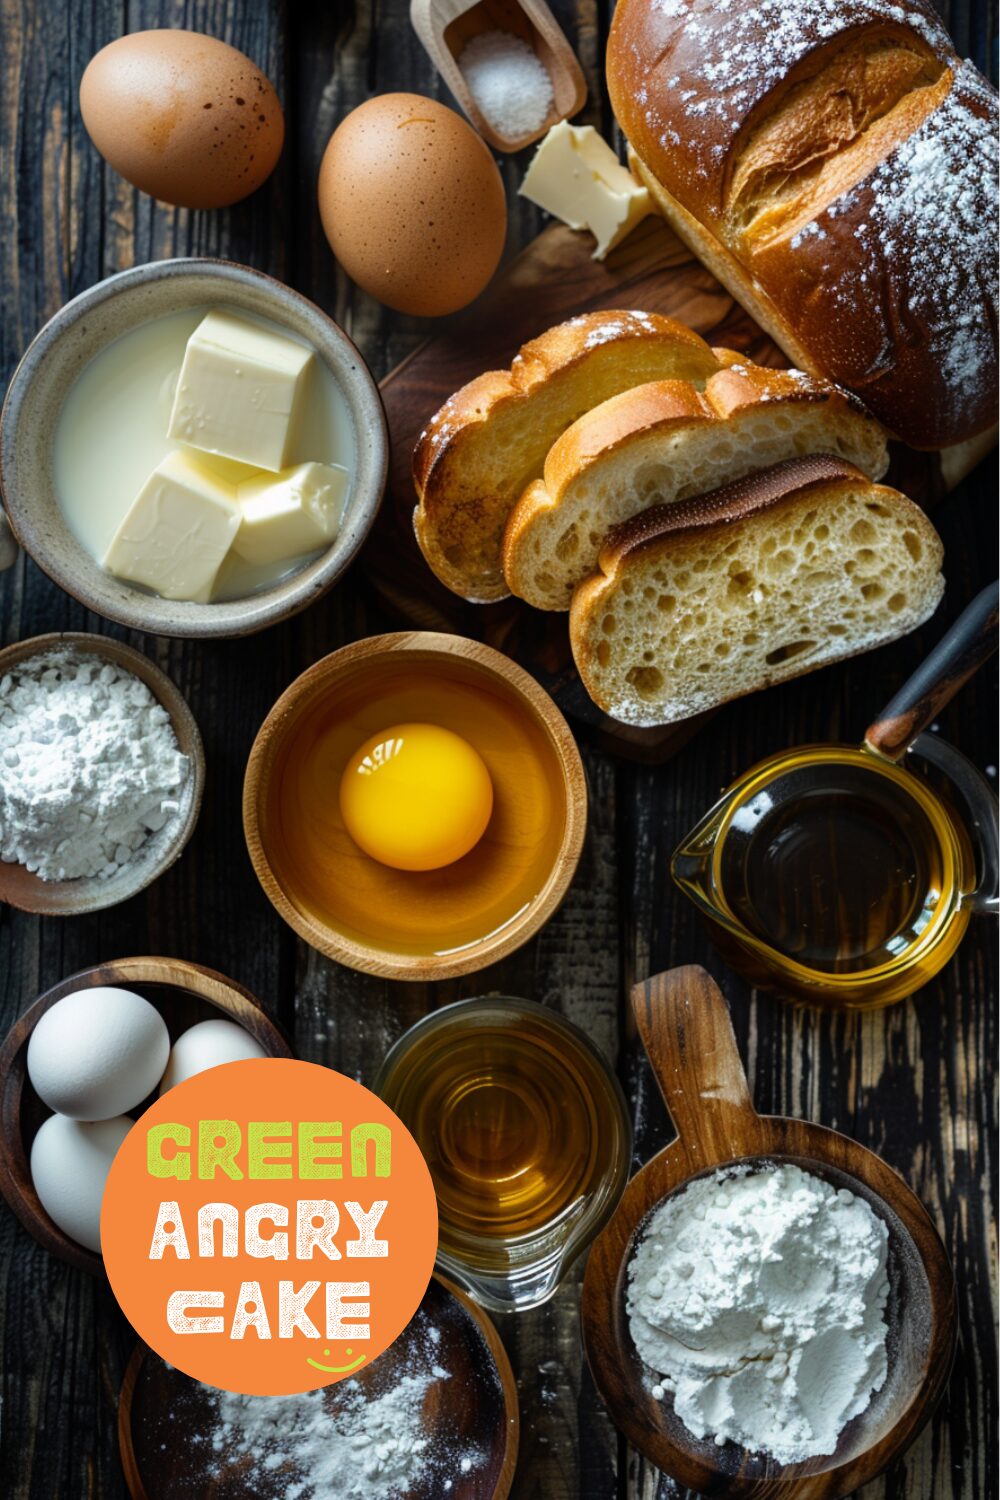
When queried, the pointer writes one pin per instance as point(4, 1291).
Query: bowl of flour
point(771, 1310)
point(101, 773)
point(433, 1418)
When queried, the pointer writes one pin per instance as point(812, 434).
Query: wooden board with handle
point(553, 279)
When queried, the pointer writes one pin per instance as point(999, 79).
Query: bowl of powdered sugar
point(770, 1311)
point(101, 773)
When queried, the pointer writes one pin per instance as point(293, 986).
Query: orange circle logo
point(269, 1227)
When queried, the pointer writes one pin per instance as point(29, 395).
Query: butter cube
point(238, 391)
point(576, 176)
point(177, 530)
point(288, 514)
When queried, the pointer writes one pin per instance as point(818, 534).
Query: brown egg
point(413, 204)
point(182, 116)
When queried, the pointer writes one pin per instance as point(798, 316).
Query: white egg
point(70, 1162)
point(206, 1046)
point(97, 1053)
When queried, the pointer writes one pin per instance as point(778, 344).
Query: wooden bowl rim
point(231, 617)
point(430, 644)
point(606, 1265)
point(15, 1174)
point(68, 897)
point(508, 1384)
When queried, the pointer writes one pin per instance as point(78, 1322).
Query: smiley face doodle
point(337, 1369)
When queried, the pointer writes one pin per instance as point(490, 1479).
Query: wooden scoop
point(445, 26)
point(684, 1024)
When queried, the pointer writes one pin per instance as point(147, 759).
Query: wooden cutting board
point(553, 279)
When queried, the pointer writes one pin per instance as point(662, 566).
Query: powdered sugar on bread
point(721, 58)
point(944, 173)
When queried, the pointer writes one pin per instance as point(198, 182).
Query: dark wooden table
point(915, 1082)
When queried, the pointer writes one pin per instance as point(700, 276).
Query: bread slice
point(662, 443)
point(490, 439)
point(791, 568)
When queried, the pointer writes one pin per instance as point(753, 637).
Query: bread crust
point(730, 502)
point(662, 406)
point(876, 267)
point(459, 533)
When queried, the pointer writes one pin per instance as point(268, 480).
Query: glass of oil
point(837, 877)
point(527, 1136)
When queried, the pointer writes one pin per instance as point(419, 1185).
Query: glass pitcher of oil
point(841, 875)
point(527, 1136)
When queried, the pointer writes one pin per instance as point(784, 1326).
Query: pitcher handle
point(981, 805)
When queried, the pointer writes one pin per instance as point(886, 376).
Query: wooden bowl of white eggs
point(83, 1062)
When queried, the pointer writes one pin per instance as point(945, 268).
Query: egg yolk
point(416, 797)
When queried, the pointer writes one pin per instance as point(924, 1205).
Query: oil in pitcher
point(844, 875)
point(834, 874)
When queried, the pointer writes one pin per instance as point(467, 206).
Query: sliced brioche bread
point(662, 443)
point(784, 571)
point(490, 439)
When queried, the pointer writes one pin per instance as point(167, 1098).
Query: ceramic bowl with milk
point(87, 419)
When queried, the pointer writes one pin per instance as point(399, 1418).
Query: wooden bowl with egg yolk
point(415, 924)
point(183, 993)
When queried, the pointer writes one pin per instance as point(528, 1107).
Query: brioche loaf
point(787, 570)
point(835, 165)
point(661, 443)
point(490, 439)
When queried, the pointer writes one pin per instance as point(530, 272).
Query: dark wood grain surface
point(914, 1082)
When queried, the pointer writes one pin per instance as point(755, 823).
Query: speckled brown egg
point(413, 204)
point(185, 117)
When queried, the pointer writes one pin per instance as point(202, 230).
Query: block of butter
point(289, 514)
point(177, 530)
point(576, 176)
point(238, 391)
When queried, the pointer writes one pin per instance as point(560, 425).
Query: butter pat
point(576, 176)
point(238, 391)
point(177, 530)
point(286, 515)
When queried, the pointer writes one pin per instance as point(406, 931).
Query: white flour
point(370, 1450)
point(363, 1439)
point(758, 1299)
point(89, 766)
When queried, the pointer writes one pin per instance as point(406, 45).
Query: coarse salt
point(510, 85)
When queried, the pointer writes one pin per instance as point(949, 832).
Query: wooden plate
point(183, 993)
point(166, 1420)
